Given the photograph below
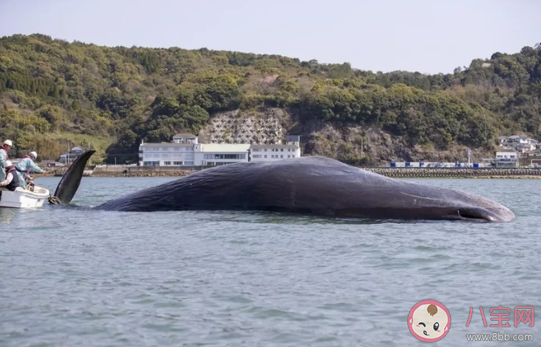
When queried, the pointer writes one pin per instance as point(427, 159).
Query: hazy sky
point(428, 36)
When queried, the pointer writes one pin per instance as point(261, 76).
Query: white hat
point(9, 143)
point(9, 163)
point(34, 154)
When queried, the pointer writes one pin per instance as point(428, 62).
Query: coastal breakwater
point(143, 173)
point(131, 171)
point(527, 173)
point(125, 171)
point(457, 172)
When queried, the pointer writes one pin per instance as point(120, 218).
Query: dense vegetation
point(54, 94)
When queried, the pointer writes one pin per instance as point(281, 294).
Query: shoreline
point(475, 173)
point(453, 173)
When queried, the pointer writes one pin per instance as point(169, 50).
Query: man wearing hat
point(4, 149)
point(12, 179)
point(26, 166)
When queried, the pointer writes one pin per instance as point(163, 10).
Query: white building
point(186, 138)
point(517, 140)
point(185, 150)
point(506, 159)
point(220, 154)
point(525, 146)
point(274, 152)
point(166, 154)
point(291, 149)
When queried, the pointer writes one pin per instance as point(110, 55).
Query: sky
point(428, 36)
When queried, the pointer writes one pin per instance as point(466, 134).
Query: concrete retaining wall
point(455, 172)
point(168, 173)
point(389, 172)
point(110, 169)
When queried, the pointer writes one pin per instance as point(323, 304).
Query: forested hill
point(52, 92)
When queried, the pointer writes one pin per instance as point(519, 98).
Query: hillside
point(54, 93)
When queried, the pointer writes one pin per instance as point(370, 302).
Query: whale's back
point(316, 185)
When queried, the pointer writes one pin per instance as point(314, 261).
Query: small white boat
point(24, 198)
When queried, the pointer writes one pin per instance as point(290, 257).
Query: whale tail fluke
point(68, 185)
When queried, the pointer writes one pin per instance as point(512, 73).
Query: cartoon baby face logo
point(429, 321)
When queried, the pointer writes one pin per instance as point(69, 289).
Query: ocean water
point(70, 276)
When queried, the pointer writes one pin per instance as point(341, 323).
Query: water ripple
point(71, 276)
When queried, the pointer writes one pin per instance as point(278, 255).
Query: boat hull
point(24, 198)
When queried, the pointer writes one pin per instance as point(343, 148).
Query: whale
point(311, 185)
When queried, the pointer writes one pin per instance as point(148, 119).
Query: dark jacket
point(15, 181)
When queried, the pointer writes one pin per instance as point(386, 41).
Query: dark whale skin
point(310, 185)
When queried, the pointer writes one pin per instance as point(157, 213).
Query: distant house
point(525, 148)
point(533, 143)
point(517, 140)
point(71, 155)
point(185, 138)
point(506, 159)
point(293, 139)
point(521, 144)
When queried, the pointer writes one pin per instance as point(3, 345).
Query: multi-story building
point(291, 149)
point(185, 150)
point(166, 154)
point(506, 159)
point(220, 154)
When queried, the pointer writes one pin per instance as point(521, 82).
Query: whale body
point(307, 185)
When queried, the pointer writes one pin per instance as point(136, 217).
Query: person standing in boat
point(27, 165)
point(12, 178)
point(4, 149)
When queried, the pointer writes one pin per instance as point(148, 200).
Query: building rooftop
point(184, 135)
point(274, 146)
point(518, 137)
point(167, 144)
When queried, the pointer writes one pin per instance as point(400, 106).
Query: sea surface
point(70, 276)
